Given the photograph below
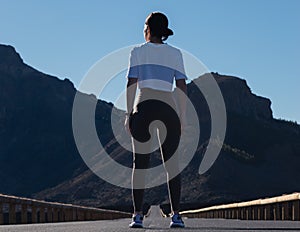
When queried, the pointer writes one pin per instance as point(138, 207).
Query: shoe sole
point(136, 226)
point(177, 226)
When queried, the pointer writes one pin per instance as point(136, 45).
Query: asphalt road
point(155, 222)
point(159, 224)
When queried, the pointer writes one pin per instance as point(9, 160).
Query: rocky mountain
point(37, 148)
point(39, 158)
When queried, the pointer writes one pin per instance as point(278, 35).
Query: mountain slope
point(36, 139)
point(259, 158)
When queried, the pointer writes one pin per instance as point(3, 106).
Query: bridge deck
point(157, 224)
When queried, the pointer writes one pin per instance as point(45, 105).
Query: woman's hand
point(126, 124)
point(130, 96)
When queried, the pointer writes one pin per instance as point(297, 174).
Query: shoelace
point(138, 218)
point(177, 218)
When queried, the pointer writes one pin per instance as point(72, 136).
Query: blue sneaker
point(137, 221)
point(176, 221)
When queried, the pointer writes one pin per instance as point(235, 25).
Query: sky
point(256, 40)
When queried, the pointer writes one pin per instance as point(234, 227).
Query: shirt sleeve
point(132, 71)
point(180, 71)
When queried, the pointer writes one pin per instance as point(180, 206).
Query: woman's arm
point(130, 96)
point(180, 83)
point(130, 93)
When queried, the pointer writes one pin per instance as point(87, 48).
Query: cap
point(158, 23)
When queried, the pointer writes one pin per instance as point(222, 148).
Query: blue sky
point(255, 40)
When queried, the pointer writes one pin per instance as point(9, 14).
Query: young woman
point(153, 68)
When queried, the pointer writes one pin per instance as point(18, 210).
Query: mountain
point(39, 158)
point(36, 139)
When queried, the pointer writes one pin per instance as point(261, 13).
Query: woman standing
point(153, 67)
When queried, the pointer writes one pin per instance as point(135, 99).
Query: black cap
point(158, 23)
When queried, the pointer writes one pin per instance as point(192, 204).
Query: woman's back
point(151, 62)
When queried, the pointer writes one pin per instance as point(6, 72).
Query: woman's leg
point(141, 158)
point(173, 177)
point(141, 161)
point(169, 150)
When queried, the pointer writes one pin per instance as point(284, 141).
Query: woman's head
point(156, 25)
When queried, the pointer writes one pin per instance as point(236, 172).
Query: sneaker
point(137, 221)
point(176, 221)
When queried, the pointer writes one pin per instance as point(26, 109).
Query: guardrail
point(284, 207)
point(15, 210)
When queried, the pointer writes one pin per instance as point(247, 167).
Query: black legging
point(146, 112)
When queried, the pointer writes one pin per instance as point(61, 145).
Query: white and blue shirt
point(156, 66)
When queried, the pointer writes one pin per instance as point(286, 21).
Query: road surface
point(160, 224)
point(155, 222)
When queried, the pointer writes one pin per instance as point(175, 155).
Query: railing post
point(221, 213)
point(244, 215)
point(49, 214)
point(255, 212)
point(80, 214)
point(234, 215)
point(241, 213)
point(88, 215)
point(62, 213)
point(24, 217)
point(74, 218)
point(215, 212)
point(260, 212)
point(248, 212)
point(267, 212)
point(12, 213)
point(1, 214)
point(276, 211)
point(55, 214)
point(238, 213)
point(285, 211)
point(76, 214)
point(68, 214)
point(70, 210)
point(42, 214)
point(34, 214)
point(295, 210)
point(93, 215)
point(226, 213)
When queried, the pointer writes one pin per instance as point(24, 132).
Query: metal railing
point(284, 207)
point(15, 210)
